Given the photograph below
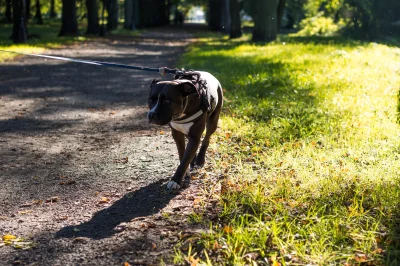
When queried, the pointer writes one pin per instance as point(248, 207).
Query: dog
point(190, 104)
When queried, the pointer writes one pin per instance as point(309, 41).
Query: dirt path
point(80, 168)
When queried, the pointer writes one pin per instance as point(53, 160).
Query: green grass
point(43, 37)
point(310, 144)
point(46, 37)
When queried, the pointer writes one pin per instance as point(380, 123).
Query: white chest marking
point(184, 128)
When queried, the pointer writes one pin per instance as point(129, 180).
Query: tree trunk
point(52, 9)
point(93, 26)
point(8, 11)
point(38, 15)
point(226, 17)
point(19, 34)
point(265, 21)
point(215, 9)
point(129, 19)
point(112, 17)
point(28, 10)
point(236, 25)
point(69, 24)
point(280, 11)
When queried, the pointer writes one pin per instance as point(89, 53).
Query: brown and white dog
point(189, 105)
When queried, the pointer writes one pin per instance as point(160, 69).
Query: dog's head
point(166, 99)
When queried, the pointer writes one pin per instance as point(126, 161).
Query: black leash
point(162, 70)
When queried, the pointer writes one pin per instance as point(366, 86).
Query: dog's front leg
point(190, 151)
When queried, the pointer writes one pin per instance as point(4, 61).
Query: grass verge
point(309, 146)
point(41, 37)
point(45, 36)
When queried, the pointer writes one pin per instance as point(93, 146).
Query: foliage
point(319, 26)
point(45, 7)
point(360, 18)
point(309, 147)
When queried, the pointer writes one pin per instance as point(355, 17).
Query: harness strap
point(189, 119)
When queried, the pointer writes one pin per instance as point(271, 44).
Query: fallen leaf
point(162, 133)
point(37, 202)
point(153, 246)
point(360, 257)
point(126, 263)
point(8, 237)
point(104, 200)
point(275, 263)
point(216, 245)
point(138, 218)
point(193, 261)
point(196, 201)
point(52, 199)
point(228, 229)
point(61, 218)
point(377, 251)
point(16, 242)
point(122, 160)
point(24, 212)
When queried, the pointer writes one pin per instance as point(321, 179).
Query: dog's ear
point(187, 87)
point(154, 82)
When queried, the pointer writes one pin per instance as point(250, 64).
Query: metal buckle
point(162, 71)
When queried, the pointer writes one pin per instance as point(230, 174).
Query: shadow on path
point(146, 201)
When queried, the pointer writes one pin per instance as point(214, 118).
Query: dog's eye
point(167, 101)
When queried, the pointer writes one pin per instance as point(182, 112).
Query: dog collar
point(190, 118)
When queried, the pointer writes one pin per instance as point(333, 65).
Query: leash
point(162, 70)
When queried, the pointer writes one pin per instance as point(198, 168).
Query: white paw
point(173, 185)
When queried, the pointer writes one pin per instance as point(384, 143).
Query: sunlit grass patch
point(310, 146)
point(41, 37)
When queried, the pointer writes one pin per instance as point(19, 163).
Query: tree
point(280, 11)
point(69, 24)
point(236, 25)
point(38, 15)
point(265, 20)
point(93, 26)
point(218, 14)
point(8, 11)
point(131, 14)
point(112, 11)
point(27, 9)
point(19, 34)
point(52, 9)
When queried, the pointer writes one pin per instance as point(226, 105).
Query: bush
point(319, 26)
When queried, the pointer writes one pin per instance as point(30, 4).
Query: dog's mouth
point(158, 122)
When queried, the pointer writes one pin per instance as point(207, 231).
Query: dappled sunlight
point(310, 142)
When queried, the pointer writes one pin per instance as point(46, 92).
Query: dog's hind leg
point(200, 158)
